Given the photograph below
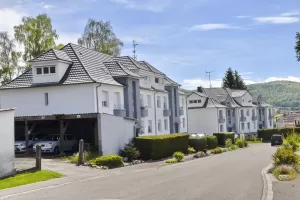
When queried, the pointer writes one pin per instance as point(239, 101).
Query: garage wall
point(115, 133)
point(7, 143)
point(69, 99)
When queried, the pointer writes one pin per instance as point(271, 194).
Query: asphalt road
point(233, 175)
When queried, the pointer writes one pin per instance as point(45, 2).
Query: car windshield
point(51, 138)
point(277, 137)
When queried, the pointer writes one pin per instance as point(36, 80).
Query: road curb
point(268, 188)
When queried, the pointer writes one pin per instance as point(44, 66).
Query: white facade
point(184, 114)
point(7, 143)
point(147, 122)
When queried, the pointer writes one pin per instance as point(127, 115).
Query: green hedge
point(161, 146)
point(212, 142)
point(110, 161)
point(198, 143)
point(266, 134)
point(222, 137)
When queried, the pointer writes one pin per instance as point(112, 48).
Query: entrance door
point(176, 127)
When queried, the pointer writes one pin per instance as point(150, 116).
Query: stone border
point(268, 189)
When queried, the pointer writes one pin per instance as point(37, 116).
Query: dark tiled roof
point(52, 55)
point(130, 63)
point(116, 69)
point(171, 81)
point(150, 67)
point(219, 94)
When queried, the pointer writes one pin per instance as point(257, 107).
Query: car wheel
point(56, 150)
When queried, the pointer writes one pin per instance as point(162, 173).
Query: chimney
point(200, 89)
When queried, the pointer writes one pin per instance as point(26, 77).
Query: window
point(182, 102)
point(248, 112)
point(228, 113)
point(270, 112)
point(142, 100)
point(166, 124)
point(104, 99)
point(156, 80)
point(52, 70)
point(253, 113)
point(199, 101)
point(183, 122)
point(39, 70)
point(221, 114)
point(46, 99)
point(165, 103)
point(270, 123)
point(248, 125)
point(242, 113)
point(149, 101)
point(158, 101)
point(195, 101)
point(233, 113)
point(149, 126)
point(259, 111)
point(46, 70)
point(221, 128)
point(243, 126)
point(117, 100)
point(191, 101)
point(159, 125)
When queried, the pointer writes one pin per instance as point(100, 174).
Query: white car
point(20, 143)
point(51, 144)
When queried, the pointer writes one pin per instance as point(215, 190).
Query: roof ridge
point(89, 49)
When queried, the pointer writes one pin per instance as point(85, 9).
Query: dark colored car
point(276, 140)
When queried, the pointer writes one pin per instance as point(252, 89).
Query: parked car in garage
point(20, 143)
point(51, 144)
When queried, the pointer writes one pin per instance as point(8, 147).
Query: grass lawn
point(28, 178)
point(256, 142)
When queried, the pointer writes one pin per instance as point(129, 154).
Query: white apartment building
point(214, 110)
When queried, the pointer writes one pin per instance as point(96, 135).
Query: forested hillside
point(284, 94)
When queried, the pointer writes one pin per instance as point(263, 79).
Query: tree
point(297, 46)
point(99, 35)
point(36, 35)
point(239, 82)
point(229, 79)
point(9, 57)
point(233, 80)
point(58, 47)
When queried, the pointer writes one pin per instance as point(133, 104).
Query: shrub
point(87, 156)
point(266, 134)
point(239, 143)
point(171, 161)
point(233, 147)
point(222, 137)
point(242, 136)
point(130, 152)
point(285, 170)
point(293, 139)
point(212, 142)
point(286, 145)
point(228, 143)
point(254, 139)
point(224, 150)
point(178, 156)
point(198, 143)
point(285, 157)
point(191, 150)
point(162, 146)
point(216, 150)
point(200, 154)
point(110, 161)
point(245, 143)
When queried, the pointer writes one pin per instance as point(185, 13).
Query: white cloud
point(138, 39)
point(65, 38)
point(242, 16)
point(48, 6)
point(208, 27)
point(150, 5)
point(288, 78)
point(292, 13)
point(277, 20)
point(10, 18)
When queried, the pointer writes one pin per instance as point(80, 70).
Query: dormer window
point(45, 70)
point(156, 80)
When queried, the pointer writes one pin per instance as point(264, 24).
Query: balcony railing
point(167, 112)
point(119, 111)
point(144, 111)
point(181, 111)
point(221, 120)
point(243, 118)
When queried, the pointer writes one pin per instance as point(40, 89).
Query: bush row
point(266, 134)
point(201, 143)
point(162, 146)
point(222, 137)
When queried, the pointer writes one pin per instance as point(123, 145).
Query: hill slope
point(283, 94)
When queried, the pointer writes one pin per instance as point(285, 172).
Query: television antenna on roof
point(134, 49)
point(208, 73)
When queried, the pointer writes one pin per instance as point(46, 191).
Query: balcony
point(181, 111)
point(254, 118)
point(167, 112)
point(119, 111)
point(144, 111)
point(243, 118)
point(221, 120)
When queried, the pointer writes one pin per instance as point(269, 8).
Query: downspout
point(155, 112)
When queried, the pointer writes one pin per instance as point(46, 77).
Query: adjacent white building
point(77, 83)
point(212, 110)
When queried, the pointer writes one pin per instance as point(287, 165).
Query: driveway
point(233, 175)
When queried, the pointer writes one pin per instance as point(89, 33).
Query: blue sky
point(185, 39)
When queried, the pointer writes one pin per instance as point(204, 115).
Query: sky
point(184, 39)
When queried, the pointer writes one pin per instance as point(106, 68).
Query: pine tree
point(229, 79)
point(239, 82)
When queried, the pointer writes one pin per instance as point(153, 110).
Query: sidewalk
point(287, 190)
